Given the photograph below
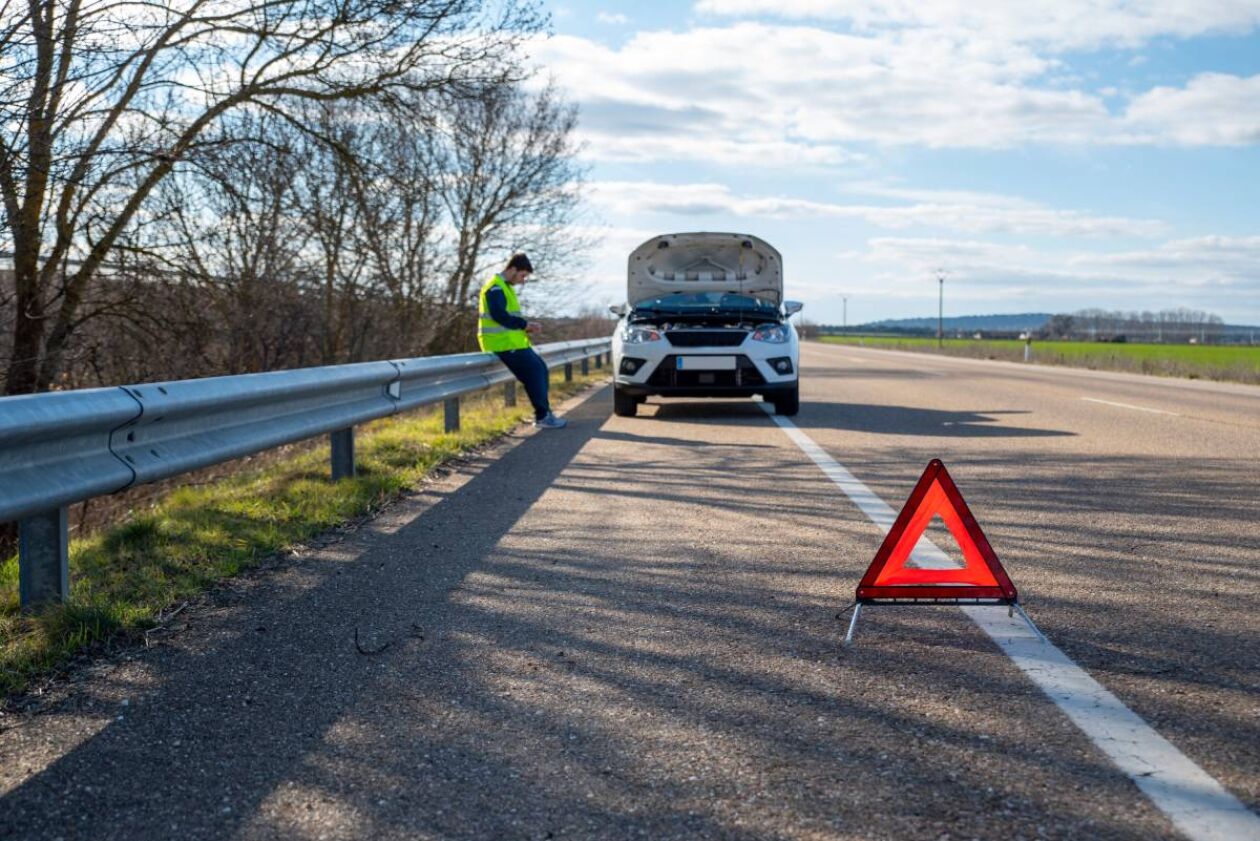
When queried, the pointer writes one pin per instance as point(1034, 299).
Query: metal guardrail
point(65, 447)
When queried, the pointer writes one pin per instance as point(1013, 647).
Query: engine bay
point(727, 320)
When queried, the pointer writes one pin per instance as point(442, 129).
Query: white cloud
point(807, 89)
point(613, 244)
point(1230, 261)
point(1213, 109)
point(919, 194)
point(962, 211)
point(981, 267)
point(632, 147)
point(1056, 24)
point(1214, 273)
point(612, 18)
point(790, 95)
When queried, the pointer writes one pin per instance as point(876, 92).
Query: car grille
point(667, 374)
point(706, 338)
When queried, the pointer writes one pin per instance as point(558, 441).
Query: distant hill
point(1014, 323)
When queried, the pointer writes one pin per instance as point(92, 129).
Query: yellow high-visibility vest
point(491, 335)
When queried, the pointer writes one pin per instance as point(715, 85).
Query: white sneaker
point(551, 422)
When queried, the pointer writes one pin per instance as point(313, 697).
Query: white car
point(705, 317)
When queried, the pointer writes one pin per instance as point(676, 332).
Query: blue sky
point(1049, 156)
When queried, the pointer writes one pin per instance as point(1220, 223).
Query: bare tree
point(510, 181)
point(400, 224)
point(1176, 325)
point(226, 229)
point(326, 180)
point(101, 101)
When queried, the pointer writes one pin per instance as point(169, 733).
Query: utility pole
point(940, 311)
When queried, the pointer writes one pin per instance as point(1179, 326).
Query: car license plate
point(706, 363)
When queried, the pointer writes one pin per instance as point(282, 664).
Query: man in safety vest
point(502, 331)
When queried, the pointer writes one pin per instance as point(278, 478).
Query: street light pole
point(940, 311)
point(844, 324)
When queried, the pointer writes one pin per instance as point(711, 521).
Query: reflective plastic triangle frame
point(888, 579)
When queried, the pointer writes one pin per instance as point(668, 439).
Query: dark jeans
point(529, 368)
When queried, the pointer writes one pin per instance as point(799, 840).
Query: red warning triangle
point(888, 577)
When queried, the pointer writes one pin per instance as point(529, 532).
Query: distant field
point(1231, 363)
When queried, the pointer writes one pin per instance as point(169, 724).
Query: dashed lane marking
point(1130, 406)
point(1197, 804)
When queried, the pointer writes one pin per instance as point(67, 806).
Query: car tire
point(788, 402)
point(624, 405)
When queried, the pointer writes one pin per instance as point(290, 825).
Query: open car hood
point(705, 262)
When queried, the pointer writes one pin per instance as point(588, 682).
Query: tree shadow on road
point(850, 373)
point(856, 417)
point(588, 668)
point(913, 420)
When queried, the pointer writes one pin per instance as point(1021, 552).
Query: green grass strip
point(1234, 363)
point(124, 577)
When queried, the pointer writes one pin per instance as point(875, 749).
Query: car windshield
point(701, 302)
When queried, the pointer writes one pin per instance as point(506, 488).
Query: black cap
point(521, 262)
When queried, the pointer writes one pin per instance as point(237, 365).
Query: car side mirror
point(618, 310)
point(792, 307)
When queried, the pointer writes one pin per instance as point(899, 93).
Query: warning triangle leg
point(1031, 626)
point(848, 638)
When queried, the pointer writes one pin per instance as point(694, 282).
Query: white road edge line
point(1130, 406)
point(1197, 804)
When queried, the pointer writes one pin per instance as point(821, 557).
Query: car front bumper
point(662, 376)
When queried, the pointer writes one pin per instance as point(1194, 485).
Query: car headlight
point(638, 335)
point(775, 334)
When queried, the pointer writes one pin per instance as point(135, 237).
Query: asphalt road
point(628, 630)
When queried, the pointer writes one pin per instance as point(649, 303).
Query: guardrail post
point(509, 394)
point(586, 365)
point(568, 372)
point(599, 360)
point(343, 453)
point(452, 414)
point(43, 559)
